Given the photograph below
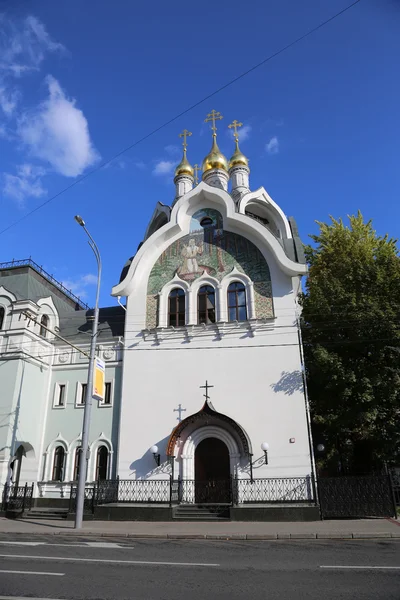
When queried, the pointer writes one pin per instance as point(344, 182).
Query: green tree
point(351, 335)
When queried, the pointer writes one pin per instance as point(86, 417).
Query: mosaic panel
point(211, 250)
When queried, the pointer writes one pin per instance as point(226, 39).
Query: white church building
point(206, 403)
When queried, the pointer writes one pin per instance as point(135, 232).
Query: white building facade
point(211, 297)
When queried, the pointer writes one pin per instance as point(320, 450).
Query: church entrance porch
point(212, 472)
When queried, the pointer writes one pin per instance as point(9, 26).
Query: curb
point(217, 536)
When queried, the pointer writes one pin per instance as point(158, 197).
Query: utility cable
point(179, 115)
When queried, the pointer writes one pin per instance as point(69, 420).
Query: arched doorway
point(212, 472)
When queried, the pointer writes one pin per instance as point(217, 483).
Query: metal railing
point(353, 496)
point(189, 491)
point(274, 490)
point(90, 499)
point(28, 262)
point(17, 497)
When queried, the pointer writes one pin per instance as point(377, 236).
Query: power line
point(179, 115)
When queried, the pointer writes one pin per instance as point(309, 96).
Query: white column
point(183, 185)
point(239, 177)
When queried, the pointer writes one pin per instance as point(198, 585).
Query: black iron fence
point(89, 502)
point(395, 480)
point(339, 497)
point(17, 497)
point(356, 496)
point(189, 491)
point(277, 489)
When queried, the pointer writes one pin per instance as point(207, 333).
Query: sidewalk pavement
point(349, 529)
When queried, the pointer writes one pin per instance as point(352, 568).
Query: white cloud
point(244, 133)
point(24, 45)
point(164, 167)
point(89, 279)
point(58, 133)
point(8, 100)
point(79, 284)
point(25, 184)
point(172, 150)
point(272, 147)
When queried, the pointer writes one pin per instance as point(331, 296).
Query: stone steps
point(194, 512)
point(46, 513)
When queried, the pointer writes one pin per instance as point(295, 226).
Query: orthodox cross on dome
point(196, 169)
point(235, 125)
point(185, 134)
point(179, 410)
point(212, 117)
point(206, 387)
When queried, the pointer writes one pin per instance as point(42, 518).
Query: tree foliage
point(351, 335)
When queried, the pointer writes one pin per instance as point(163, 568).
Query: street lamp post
point(84, 454)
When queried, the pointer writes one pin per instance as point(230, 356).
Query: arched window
point(58, 464)
point(206, 305)
point(2, 314)
point(102, 463)
point(44, 321)
point(76, 464)
point(237, 310)
point(177, 304)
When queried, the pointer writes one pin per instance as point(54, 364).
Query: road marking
point(355, 567)
point(24, 543)
point(110, 545)
point(111, 561)
point(32, 573)
point(23, 598)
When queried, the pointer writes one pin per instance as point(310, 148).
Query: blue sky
point(79, 81)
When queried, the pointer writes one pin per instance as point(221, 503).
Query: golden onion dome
point(184, 167)
point(238, 159)
point(215, 159)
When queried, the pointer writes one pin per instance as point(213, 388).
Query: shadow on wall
point(146, 466)
point(289, 383)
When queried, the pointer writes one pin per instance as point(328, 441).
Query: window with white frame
point(102, 463)
point(44, 322)
point(2, 315)
point(237, 306)
point(83, 393)
point(206, 305)
point(80, 397)
point(77, 457)
point(177, 308)
point(58, 464)
point(107, 393)
point(60, 395)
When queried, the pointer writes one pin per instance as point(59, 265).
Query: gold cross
point(196, 169)
point(213, 116)
point(235, 124)
point(185, 133)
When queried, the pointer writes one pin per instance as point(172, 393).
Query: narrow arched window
point(44, 322)
point(2, 314)
point(102, 463)
point(58, 464)
point(237, 309)
point(76, 464)
point(206, 305)
point(176, 308)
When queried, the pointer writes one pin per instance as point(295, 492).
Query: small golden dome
point(184, 167)
point(238, 159)
point(215, 159)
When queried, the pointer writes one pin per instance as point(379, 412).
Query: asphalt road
point(112, 568)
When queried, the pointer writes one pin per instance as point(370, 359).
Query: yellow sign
point(99, 379)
